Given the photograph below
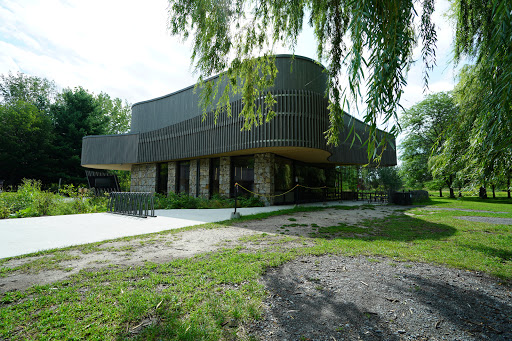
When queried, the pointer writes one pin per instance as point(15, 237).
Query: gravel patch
point(490, 220)
point(360, 298)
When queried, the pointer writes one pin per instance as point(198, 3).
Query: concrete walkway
point(27, 235)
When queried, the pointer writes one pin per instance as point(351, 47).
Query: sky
point(123, 48)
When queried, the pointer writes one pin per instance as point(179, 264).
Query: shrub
point(31, 201)
point(175, 201)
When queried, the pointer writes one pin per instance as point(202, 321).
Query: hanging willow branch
point(237, 39)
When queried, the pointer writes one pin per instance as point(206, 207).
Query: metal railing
point(137, 204)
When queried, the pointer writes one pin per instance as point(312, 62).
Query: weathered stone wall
point(171, 177)
point(264, 176)
point(143, 178)
point(204, 178)
point(225, 176)
point(193, 178)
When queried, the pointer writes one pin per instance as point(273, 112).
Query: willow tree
point(368, 43)
point(484, 35)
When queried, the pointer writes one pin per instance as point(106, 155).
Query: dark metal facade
point(172, 127)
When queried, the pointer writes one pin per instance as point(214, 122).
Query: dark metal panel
point(110, 149)
point(293, 74)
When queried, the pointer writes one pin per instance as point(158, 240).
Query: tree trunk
point(452, 194)
point(483, 193)
point(508, 186)
point(493, 192)
point(441, 192)
point(460, 192)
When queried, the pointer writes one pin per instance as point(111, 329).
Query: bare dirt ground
point(361, 298)
point(317, 298)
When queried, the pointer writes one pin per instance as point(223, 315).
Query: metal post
point(236, 196)
point(235, 215)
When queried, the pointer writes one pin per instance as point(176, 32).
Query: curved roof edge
point(291, 56)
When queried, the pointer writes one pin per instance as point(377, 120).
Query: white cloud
point(120, 47)
point(123, 47)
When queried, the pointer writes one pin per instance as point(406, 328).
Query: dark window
point(242, 172)
point(214, 176)
point(183, 177)
point(284, 180)
point(161, 178)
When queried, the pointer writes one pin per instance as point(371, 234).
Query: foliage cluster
point(31, 201)
point(41, 128)
point(357, 178)
point(371, 42)
point(444, 147)
point(173, 200)
point(382, 178)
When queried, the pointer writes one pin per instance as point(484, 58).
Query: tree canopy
point(41, 129)
point(479, 152)
point(425, 125)
point(368, 43)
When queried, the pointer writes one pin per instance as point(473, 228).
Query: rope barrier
point(265, 196)
point(284, 193)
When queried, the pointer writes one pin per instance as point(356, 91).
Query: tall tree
point(26, 135)
point(425, 126)
point(483, 160)
point(119, 113)
point(77, 113)
point(40, 92)
point(484, 34)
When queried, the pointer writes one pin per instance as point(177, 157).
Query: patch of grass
point(49, 262)
point(199, 295)
point(208, 296)
point(292, 219)
point(341, 229)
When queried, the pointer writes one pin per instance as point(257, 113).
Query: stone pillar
point(204, 178)
point(225, 176)
point(143, 178)
point(264, 176)
point(192, 183)
point(171, 176)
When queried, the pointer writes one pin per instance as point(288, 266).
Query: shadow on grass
point(505, 255)
point(402, 228)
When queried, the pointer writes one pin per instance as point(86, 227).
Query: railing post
point(235, 215)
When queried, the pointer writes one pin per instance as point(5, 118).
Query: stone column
point(143, 178)
point(264, 176)
point(204, 178)
point(225, 176)
point(192, 183)
point(171, 176)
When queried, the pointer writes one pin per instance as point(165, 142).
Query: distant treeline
point(41, 128)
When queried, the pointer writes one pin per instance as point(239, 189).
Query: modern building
point(171, 148)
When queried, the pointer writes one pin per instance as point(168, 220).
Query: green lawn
point(209, 296)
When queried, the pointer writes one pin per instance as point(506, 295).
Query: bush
point(31, 201)
point(176, 201)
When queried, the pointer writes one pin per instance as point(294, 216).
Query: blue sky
point(122, 47)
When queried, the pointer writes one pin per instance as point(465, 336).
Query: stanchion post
point(236, 196)
point(235, 215)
